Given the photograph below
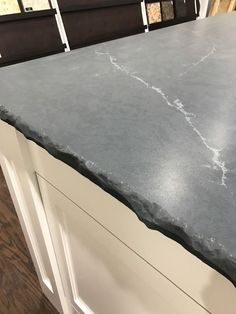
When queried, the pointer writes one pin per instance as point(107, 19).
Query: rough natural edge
point(210, 252)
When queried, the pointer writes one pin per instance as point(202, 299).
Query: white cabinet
point(91, 253)
point(100, 273)
point(21, 180)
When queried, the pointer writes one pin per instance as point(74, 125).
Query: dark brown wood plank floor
point(20, 292)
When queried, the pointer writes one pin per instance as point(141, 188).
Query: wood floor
point(20, 292)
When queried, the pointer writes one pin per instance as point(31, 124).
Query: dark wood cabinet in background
point(28, 30)
point(92, 21)
point(26, 36)
point(33, 31)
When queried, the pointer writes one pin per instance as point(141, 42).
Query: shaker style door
point(100, 274)
point(23, 188)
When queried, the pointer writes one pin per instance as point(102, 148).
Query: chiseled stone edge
point(151, 214)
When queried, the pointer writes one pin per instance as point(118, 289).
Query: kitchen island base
point(91, 253)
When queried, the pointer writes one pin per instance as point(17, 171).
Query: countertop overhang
point(151, 120)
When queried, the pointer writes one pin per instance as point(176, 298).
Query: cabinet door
point(23, 188)
point(100, 273)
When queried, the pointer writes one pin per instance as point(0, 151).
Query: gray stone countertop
point(151, 119)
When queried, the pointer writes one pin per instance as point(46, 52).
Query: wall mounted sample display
point(180, 8)
point(35, 5)
point(154, 12)
point(28, 35)
point(28, 30)
point(162, 13)
point(167, 10)
point(9, 7)
point(89, 22)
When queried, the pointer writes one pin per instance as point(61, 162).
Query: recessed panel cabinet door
point(101, 274)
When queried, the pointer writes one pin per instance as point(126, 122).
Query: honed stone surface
point(152, 120)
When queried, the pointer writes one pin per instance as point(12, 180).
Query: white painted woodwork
point(60, 25)
point(87, 234)
point(144, 15)
point(102, 274)
point(203, 8)
point(209, 288)
point(12, 179)
point(22, 184)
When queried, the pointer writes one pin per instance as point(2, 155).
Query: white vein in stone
point(202, 59)
point(217, 162)
point(216, 159)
